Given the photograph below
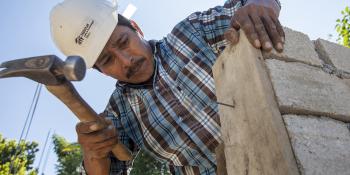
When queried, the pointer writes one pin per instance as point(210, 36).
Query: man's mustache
point(135, 67)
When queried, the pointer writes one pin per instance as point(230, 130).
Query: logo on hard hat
point(84, 34)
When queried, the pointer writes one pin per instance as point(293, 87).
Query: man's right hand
point(97, 140)
point(259, 21)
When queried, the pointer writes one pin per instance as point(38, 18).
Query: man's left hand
point(259, 21)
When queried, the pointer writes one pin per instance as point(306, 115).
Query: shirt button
point(157, 87)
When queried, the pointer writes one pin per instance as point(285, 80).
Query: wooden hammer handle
point(71, 98)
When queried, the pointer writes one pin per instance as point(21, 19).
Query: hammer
point(56, 76)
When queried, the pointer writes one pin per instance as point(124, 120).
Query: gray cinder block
point(334, 54)
point(304, 89)
point(298, 47)
point(321, 145)
point(347, 81)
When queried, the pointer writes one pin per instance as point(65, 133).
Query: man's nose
point(125, 59)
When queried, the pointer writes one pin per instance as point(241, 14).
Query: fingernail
point(279, 46)
point(257, 43)
point(93, 127)
point(268, 45)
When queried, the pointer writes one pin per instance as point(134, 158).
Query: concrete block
point(298, 48)
point(321, 145)
point(347, 82)
point(304, 89)
point(334, 54)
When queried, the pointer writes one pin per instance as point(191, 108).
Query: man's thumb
point(98, 125)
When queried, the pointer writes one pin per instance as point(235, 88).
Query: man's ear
point(134, 24)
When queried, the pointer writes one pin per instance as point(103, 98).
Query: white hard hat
point(83, 27)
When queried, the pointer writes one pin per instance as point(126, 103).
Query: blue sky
point(25, 33)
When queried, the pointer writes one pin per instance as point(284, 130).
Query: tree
point(69, 156)
point(17, 158)
point(343, 27)
point(146, 165)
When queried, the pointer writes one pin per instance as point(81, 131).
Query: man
point(164, 100)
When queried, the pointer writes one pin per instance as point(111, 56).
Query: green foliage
point(17, 158)
point(146, 165)
point(69, 156)
point(343, 27)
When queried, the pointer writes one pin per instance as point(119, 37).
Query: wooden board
point(255, 138)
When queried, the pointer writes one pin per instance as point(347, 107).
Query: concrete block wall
point(311, 81)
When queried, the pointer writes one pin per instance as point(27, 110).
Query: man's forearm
point(274, 4)
point(97, 166)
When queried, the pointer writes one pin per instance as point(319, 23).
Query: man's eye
point(107, 60)
point(123, 44)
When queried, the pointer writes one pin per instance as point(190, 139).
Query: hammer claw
point(25, 67)
point(6, 69)
point(5, 72)
point(46, 69)
point(7, 64)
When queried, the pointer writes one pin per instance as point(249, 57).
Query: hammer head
point(48, 69)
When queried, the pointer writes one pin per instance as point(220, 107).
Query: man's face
point(127, 56)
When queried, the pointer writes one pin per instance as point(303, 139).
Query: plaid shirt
point(175, 117)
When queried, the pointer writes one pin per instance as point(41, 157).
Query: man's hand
point(259, 21)
point(97, 140)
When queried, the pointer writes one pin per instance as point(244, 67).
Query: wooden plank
point(255, 138)
point(221, 160)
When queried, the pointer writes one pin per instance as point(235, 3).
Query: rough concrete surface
point(298, 47)
point(303, 89)
point(334, 54)
point(347, 82)
point(321, 145)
